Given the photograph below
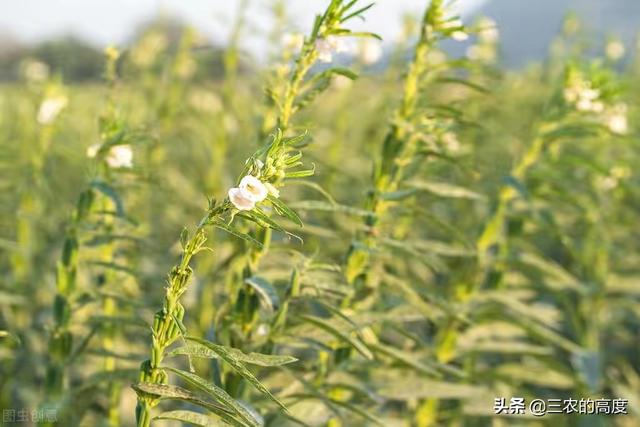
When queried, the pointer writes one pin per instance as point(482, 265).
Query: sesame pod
point(161, 377)
point(61, 310)
point(157, 321)
point(179, 311)
point(156, 356)
point(145, 370)
point(172, 331)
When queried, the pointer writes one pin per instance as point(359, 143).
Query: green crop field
point(405, 238)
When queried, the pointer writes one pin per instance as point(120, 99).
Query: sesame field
point(351, 232)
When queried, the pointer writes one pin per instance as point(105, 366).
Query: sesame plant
point(96, 227)
point(264, 173)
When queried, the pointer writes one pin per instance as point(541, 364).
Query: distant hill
point(528, 27)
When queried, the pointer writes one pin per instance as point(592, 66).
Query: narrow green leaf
point(319, 205)
point(405, 359)
point(219, 394)
point(267, 293)
point(190, 417)
point(284, 210)
point(259, 359)
point(111, 193)
point(230, 357)
point(173, 392)
point(446, 190)
point(328, 327)
point(221, 225)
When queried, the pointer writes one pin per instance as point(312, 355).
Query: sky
point(104, 22)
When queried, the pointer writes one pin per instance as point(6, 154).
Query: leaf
point(355, 13)
point(190, 417)
point(328, 327)
point(284, 210)
point(230, 357)
point(318, 205)
point(359, 411)
point(184, 238)
point(446, 190)
point(259, 217)
point(362, 34)
point(398, 195)
point(316, 187)
point(111, 193)
point(442, 248)
point(221, 225)
point(559, 278)
point(463, 82)
point(267, 293)
point(300, 174)
point(404, 358)
point(219, 394)
point(259, 359)
point(421, 388)
point(173, 392)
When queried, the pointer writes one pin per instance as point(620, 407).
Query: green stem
point(167, 321)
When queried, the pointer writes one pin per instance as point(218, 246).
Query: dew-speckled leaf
point(220, 395)
point(230, 357)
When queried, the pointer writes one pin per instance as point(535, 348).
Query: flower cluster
point(586, 98)
point(452, 27)
point(370, 51)
point(583, 96)
point(292, 42)
point(328, 45)
point(249, 192)
point(35, 71)
point(118, 156)
point(50, 108)
point(616, 119)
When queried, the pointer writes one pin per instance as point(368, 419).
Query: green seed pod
point(156, 356)
point(157, 320)
point(145, 371)
point(61, 310)
point(161, 377)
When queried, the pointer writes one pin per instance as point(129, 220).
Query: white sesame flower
point(370, 52)
point(459, 36)
point(325, 52)
point(615, 50)
point(570, 95)
point(262, 330)
point(488, 30)
point(590, 94)
point(338, 44)
point(272, 190)
point(293, 41)
point(326, 46)
point(36, 71)
point(597, 107)
point(240, 199)
point(253, 188)
point(584, 104)
point(120, 156)
point(452, 23)
point(617, 121)
point(50, 108)
point(92, 150)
